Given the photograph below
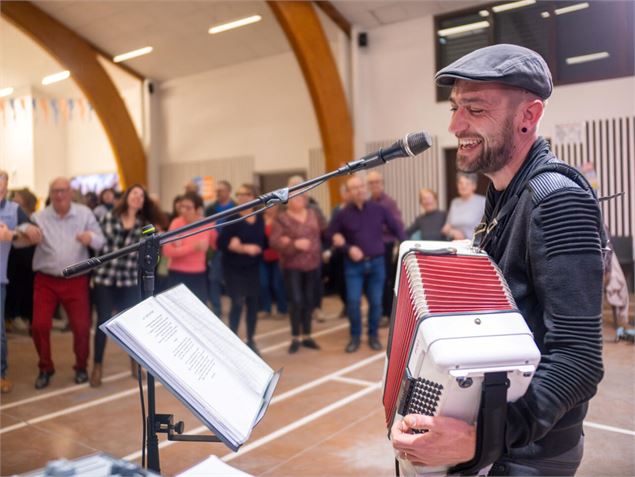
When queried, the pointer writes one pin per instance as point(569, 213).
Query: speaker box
point(362, 39)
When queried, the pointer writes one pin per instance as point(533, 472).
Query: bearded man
point(543, 228)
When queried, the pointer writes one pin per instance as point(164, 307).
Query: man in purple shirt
point(376, 187)
point(358, 230)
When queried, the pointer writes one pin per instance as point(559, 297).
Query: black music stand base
point(148, 259)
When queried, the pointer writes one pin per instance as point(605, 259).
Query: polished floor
point(326, 417)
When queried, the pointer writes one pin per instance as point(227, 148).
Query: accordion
point(457, 346)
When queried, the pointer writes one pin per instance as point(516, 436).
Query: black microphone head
point(417, 142)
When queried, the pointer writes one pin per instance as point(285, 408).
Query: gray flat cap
point(512, 65)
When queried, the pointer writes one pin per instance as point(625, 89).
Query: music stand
point(149, 248)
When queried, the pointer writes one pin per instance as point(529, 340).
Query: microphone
point(409, 146)
point(81, 267)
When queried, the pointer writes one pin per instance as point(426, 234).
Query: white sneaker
point(20, 324)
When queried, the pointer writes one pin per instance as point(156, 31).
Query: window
point(581, 41)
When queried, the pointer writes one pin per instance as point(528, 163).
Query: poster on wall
point(96, 182)
point(205, 186)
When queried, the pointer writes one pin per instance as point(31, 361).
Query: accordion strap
point(483, 233)
point(490, 428)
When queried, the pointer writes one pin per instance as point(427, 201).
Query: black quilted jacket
point(548, 242)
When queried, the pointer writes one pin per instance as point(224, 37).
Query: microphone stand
point(149, 248)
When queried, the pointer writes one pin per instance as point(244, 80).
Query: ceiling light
point(484, 13)
point(132, 54)
point(545, 14)
point(62, 75)
point(574, 60)
point(235, 24)
point(5, 92)
point(571, 8)
point(463, 28)
point(510, 6)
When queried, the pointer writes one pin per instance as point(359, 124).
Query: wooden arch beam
point(80, 58)
point(334, 14)
point(302, 27)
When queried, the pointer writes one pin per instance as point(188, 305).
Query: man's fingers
point(419, 421)
point(410, 442)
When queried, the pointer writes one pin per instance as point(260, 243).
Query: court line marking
point(118, 395)
point(314, 335)
point(76, 387)
point(604, 427)
point(70, 410)
point(315, 444)
point(282, 397)
point(117, 376)
point(301, 422)
point(358, 382)
point(276, 331)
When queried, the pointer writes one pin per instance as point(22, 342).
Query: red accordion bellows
point(432, 284)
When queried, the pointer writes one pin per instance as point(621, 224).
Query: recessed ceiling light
point(235, 24)
point(484, 13)
point(510, 6)
point(574, 60)
point(571, 8)
point(62, 75)
point(132, 54)
point(545, 14)
point(5, 92)
point(463, 28)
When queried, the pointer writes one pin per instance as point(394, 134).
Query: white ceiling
point(177, 30)
point(23, 64)
point(371, 14)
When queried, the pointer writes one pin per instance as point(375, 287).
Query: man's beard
point(493, 157)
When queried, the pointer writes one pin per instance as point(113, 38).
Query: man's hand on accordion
point(448, 441)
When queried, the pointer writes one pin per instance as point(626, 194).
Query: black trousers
point(301, 287)
point(196, 282)
point(337, 280)
point(110, 300)
point(236, 309)
point(389, 283)
point(19, 299)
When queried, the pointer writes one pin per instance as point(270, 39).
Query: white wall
point(398, 94)
point(16, 141)
point(50, 139)
point(34, 148)
point(260, 108)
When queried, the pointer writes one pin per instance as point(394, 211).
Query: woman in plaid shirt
point(116, 281)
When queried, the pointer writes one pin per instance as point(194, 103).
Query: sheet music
point(190, 354)
point(199, 319)
point(213, 467)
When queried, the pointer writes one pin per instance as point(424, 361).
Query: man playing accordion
point(543, 228)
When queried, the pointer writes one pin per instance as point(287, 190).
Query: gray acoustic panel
point(174, 176)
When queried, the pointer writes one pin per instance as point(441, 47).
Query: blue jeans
point(3, 344)
point(272, 286)
point(366, 276)
point(215, 282)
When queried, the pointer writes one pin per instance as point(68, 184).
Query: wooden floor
point(326, 417)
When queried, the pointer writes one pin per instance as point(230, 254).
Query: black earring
point(523, 130)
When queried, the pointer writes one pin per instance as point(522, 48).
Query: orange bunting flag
point(44, 107)
point(82, 108)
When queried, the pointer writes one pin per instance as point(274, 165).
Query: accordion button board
point(421, 397)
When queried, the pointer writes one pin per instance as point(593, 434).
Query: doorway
point(450, 178)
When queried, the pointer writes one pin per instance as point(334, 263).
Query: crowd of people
point(283, 257)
